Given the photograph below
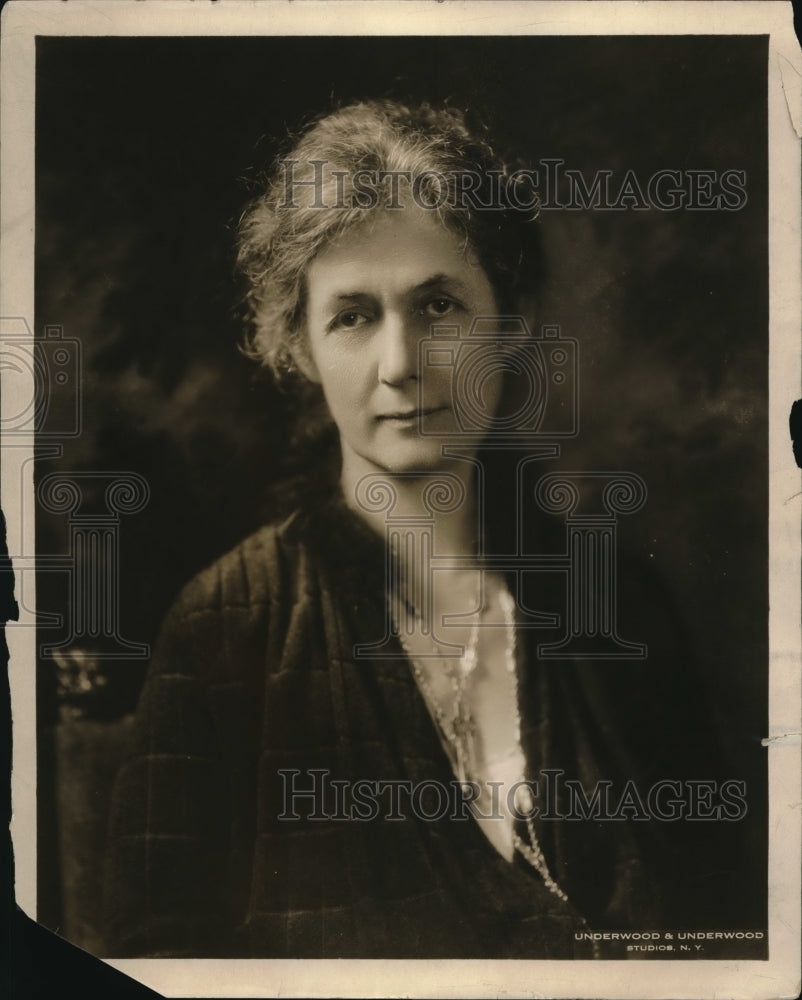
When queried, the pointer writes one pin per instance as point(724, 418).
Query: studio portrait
point(401, 511)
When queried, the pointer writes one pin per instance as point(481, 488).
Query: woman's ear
point(303, 361)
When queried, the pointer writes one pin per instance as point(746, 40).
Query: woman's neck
point(451, 513)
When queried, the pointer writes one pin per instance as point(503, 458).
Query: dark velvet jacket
point(254, 690)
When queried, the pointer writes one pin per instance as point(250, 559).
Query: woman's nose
point(398, 350)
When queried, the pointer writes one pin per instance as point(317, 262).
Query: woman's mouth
point(410, 416)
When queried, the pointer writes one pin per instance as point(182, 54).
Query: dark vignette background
point(142, 145)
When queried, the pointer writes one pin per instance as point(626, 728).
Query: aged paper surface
point(139, 446)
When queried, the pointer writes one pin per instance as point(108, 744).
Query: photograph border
point(23, 20)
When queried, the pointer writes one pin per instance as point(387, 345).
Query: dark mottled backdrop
point(142, 147)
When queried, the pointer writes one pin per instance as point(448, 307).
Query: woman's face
point(372, 296)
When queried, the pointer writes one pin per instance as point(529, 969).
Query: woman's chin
point(409, 459)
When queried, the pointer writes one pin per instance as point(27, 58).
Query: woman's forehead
point(395, 249)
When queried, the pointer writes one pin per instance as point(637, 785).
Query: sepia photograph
point(401, 510)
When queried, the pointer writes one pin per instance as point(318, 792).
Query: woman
point(319, 693)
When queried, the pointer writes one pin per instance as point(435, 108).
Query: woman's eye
point(439, 307)
point(348, 320)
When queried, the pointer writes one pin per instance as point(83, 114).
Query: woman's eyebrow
point(442, 278)
point(337, 297)
point(435, 281)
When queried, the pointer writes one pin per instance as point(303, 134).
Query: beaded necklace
point(458, 728)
